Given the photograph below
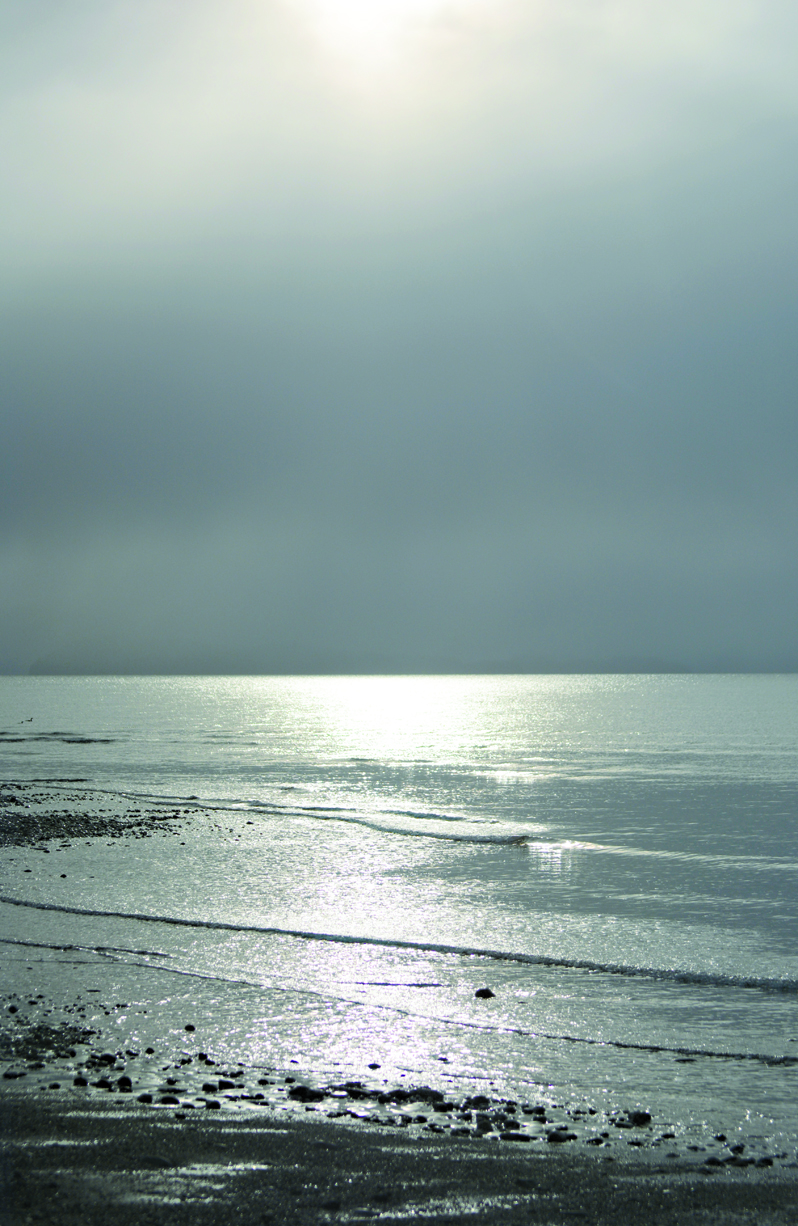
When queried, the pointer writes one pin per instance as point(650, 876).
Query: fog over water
point(404, 337)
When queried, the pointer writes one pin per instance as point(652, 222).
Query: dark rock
point(103, 1084)
point(144, 1098)
point(213, 1105)
point(170, 1100)
point(425, 1095)
point(374, 1066)
point(305, 1094)
point(513, 1136)
point(80, 1081)
point(209, 1087)
point(190, 1028)
point(484, 993)
point(125, 1084)
point(639, 1118)
point(224, 1084)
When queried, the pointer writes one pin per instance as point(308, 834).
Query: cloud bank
point(458, 340)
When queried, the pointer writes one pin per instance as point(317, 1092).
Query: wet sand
point(78, 1162)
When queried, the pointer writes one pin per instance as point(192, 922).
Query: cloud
point(124, 120)
point(481, 360)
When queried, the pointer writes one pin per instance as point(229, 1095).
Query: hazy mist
point(401, 336)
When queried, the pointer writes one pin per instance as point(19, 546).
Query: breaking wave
point(675, 975)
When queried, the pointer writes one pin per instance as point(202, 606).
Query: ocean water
point(615, 857)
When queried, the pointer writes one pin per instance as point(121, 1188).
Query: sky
point(398, 336)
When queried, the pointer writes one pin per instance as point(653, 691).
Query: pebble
point(476, 1115)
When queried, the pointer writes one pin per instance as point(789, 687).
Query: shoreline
point(172, 1134)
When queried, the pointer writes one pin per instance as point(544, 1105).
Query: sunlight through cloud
point(369, 34)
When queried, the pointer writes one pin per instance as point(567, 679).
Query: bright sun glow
point(371, 32)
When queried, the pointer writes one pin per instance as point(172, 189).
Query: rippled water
point(616, 857)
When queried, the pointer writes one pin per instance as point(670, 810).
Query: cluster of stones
point(421, 1109)
point(31, 818)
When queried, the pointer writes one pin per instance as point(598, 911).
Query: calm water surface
point(628, 844)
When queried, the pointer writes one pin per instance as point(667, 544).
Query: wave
point(778, 863)
point(330, 813)
point(97, 949)
point(686, 1053)
point(336, 813)
point(64, 738)
point(535, 836)
point(669, 974)
point(499, 840)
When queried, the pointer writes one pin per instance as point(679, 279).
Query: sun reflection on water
point(554, 859)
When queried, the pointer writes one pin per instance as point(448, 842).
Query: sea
point(613, 857)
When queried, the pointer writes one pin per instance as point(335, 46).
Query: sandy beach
point(77, 1163)
point(161, 1137)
